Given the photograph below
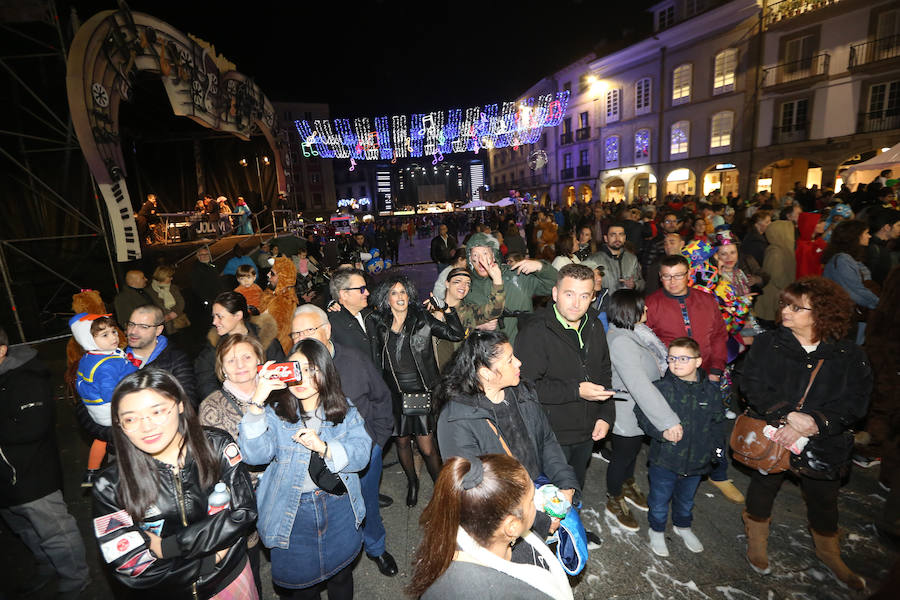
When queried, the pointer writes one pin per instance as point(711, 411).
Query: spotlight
point(243, 162)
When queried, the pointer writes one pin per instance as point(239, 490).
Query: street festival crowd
point(726, 333)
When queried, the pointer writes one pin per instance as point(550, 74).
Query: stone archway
point(585, 193)
point(614, 190)
point(724, 177)
point(779, 177)
point(107, 52)
point(681, 181)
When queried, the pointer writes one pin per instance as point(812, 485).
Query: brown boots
point(757, 531)
point(829, 552)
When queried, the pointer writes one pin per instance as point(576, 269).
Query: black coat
point(346, 330)
point(552, 359)
point(419, 326)
point(188, 551)
point(175, 361)
point(440, 251)
point(776, 373)
point(206, 281)
point(362, 383)
point(29, 462)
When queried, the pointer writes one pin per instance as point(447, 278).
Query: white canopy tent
point(865, 172)
point(476, 204)
point(505, 202)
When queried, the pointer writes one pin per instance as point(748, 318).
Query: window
point(314, 178)
point(665, 18)
point(798, 54)
point(584, 157)
point(567, 125)
point(317, 200)
point(884, 100)
point(583, 120)
point(681, 133)
point(725, 65)
point(567, 161)
point(720, 136)
point(612, 105)
point(681, 84)
point(612, 152)
point(693, 7)
point(642, 96)
point(642, 146)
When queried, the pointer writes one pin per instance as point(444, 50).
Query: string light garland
point(435, 133)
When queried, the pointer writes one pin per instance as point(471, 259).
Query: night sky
point(386, 56)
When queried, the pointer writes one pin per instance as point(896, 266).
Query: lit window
point(681, 84)
point(642, 96)
point(681, 132)
point(642, 146)
point(725, 65)
point(612, 152)
point(612, 105)
point(722, 124)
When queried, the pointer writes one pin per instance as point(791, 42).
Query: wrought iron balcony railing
point(795, 132)
point(787, 9)
point(797, 70)
point(565, 138)
point(583, 134)
point(583, 171)
point(881, 120)
point(567, 173)
point(866, 53)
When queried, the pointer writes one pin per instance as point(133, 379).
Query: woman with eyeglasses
point(231, 315)
point(638, 359)
point(401, 331)
point(237, 359)
point(807, 354)
point(158, 523)
point(314, 442)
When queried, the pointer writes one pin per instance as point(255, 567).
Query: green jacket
point(519, 291)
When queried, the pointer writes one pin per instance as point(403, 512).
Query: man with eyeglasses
point(677, 311)
point(362, 383)
point(348, 314)
point(147, 344)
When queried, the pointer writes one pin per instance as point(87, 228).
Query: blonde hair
point(162, 272)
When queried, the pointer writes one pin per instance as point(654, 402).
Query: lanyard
point(682, 301)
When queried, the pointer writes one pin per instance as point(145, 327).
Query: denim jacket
point(266, 439)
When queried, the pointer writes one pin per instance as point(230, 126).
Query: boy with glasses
point(680, 455)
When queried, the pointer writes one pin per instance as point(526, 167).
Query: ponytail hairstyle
point(138, 473)
point(460, 500)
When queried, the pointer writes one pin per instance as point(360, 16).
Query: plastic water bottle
point(219, 500)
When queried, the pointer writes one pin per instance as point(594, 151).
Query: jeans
point(666, 486)
point(820, 497)
point(52, 535)
point(578, 456)
point(372, 527)
point(625, 450)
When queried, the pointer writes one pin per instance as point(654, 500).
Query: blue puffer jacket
point(98, 375)
point(266, 439)
point(699, 406)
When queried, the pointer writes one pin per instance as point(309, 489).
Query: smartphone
point(288, 372)
point(433, 303)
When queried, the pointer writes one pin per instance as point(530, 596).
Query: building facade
point(309, 179)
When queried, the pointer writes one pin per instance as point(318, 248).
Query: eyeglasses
point(361, 289)
point(305, 333)
point(679, 359)
point(131, 423)
point(141, 326)
point(673, 276)
point(670, 221)
point(793, 307)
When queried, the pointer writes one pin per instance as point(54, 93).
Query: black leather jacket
point(419, 326)
point(190, 537)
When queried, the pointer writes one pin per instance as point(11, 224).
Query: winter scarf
point(649, 340)
point(164, 291)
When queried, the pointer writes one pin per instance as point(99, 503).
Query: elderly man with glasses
point(676, 311)
point(350, 309)
point(362, 383)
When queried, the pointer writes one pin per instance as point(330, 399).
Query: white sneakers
point(658, 543)
point(690, 540)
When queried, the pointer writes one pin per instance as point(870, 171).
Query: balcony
point(788, 9)
point(582, 134)
point(583, 171)
point(565, 138)
point(882, 120)
point(786, 134)
point(869, 53)
point(565, 174)
point(797, 72)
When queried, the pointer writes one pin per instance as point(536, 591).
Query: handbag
point(322, 476)
point(411, 405)
point(752, 448)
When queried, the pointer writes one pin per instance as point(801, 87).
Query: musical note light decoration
point(435, 133)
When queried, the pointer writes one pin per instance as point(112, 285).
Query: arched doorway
point(615, 190)
point(643, 186)
point(681, 181)
point(570, 195)
point(723, 177)
point(585, 193)
point(780, 176)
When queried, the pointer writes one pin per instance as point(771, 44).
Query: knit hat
point(80, 325)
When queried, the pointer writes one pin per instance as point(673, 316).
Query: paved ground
point(623, 567)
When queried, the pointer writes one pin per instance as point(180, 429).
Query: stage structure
point(107, 52)
point(435, 133)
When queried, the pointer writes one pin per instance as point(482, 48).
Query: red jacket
point(707, 325)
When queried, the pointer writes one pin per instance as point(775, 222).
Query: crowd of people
point(551, 338)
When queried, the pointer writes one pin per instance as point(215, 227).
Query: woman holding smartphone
point(314, 443)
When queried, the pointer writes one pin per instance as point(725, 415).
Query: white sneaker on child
point(658, 543)
point(690, 540)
